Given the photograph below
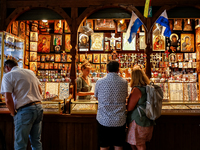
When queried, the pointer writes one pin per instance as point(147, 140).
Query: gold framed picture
point(15, 27)
point(68, 43)
point(67, 29)
point(33, 66)
point(89, 23)
point(33, 46)
point(22, 29)
point(89, 57)
point(33, 56)
point(44, 43)
point(177, 24)
point(57, 58)
point(104, 58)
point(96, 42)
point(69, 58)
point(82, 57)
point(187, 42)
point(96, 58)
point(57, 40)
point(33, 36)
point(105, 24)
point(158, 43)
point(58, 26)
point(179, 56)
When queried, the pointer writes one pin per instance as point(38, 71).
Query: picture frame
point(22, 30)
point(69, 58)
point(58, 26)
point(38, 58)
point(187, 25)
point(194, 64)
point(177, 24)
point(27, 43)
point(121, 25)
point(57, 49)
point(52, 57)
point(33, 36)
point(128, 46)
point(15, 27)
point(179, 56)
point(186, 56)
point(189, 65)
point(97, 67)
point(33, 46)
point(57, 40)
point(172, 58)
point(38, 65)
point(158, 43)
point(46, 65)
point(185, 64)
point(161, 64)
point(43, 58)
point(105, 24)
point(103, 67)
point(104, 58)
point(60, 66)
point(34, 27)
point(106, 47)
point(89, 23)
point(187, 42)
point(93, 66)
point(82, 57)
point(64, 57)
point(83, 42)
point(27, 57)
point(27, 29)
point(44, 43)
point(89, 57)
point(33, 66)
point(41, 65)
point(55, 66)
point(118, 45)
point(66, 66)
point(142, 40)
point(57, 57)
point(96, 58)
point(68, 42)
point(50, 65)
point(33, 56)
point(180, 64)
point(174, 39)
point(97, 42)
point(67, 29)
point(47, 57)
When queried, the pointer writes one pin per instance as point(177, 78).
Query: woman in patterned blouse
point(83, 83)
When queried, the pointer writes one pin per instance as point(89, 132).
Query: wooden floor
point(79, 132)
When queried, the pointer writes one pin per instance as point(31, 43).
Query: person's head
point(138, 77)
point(9, 64)
point(174, 39)
point(44, 40)
point(186, 39)
point(113, 66)
point(85, 67)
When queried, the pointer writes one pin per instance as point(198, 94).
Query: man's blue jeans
point(28, 123)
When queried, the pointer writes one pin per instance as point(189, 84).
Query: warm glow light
point(44, 20)
point(121, 21)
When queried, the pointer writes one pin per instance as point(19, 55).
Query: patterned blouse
point(111, 92)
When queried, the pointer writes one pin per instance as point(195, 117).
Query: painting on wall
point(187, 42)
point(44, 43)
point(96, 42)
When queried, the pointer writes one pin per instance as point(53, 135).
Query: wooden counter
point(79, 132)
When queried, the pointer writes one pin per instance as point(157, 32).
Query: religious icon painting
point(174, 39)
point(142, 40)
point(96, 42)
point(121, 25)
point(41, 65)
point(161, 64)
point(33, 36)
point(189, 65)
point(118, 45)
point(33, 56)
point(158, 43)
point(55, 66)
point(190, 57)
point(172, 58)
point(33, 66)
point(43, 58)
point(89, 57)
point(64, 57)
point(47, 57)
point(96, 58)
point(194, 64)
point(103, 67)
point(97, 67)
point(166, 64)
point(34, 27)
point(22, 30)
point(93, 66)
point(179, 56)
point(171, 24)
point(69, 58)
point(186, 56)
point(27, 43)
point(180, 65)
point(187, 42)
point(106, 48)
point(105, 24)
point(127, 45)
point(194, 56)
point(50, 65)
point(104, 58)
point(185, 64)
point(27, 29)
point(83, 42)
point(177, 24)
point(46, 65)
point(33, 46)
point(67, 29)
point(57, 58)
point(187, 25)
point(68, 43)
point(58, 26)
point(27, 53)
point(38, 65)
point(57, 40)
point(66, 66)
point(109, 57)
point(52, 58)
point(57, 49)
point(15, 27)
point(198, 36)
point(38, 58)
point(44, 43)
point(60, 66)
point(89, 23)
point(82, 57)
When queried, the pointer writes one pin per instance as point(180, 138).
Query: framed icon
point(172, 58)
point(58, 26)
point(89, 57)
point(27, 53)
point(67, 29)
point(33, 46)
point(46, 65)
point(60, 66)
point(38, 58)
point(69, 58)
point(83, 42)
point(47, 57)
point(41, 65)
point(89, 23)
point(44, 43)
point(38, 65)
point(107, 46)
point(187, 25)
point(27, 43)
point(50, 65)
point(187, 42)
point(97, 67)
point(118, 45)
point(127, 45)
point(179, 56)
point(121, 25)
point(68, 43)
point(15, 27)
point(105, 24)
point(82, 57)
point(33, 66)
point(178, 24)
point(27, 29)
point(22, 30)
point(55, 65)
point(57, 58)
point(64, 57)
point(33, 36)
point(96, 42)
point(57, 40)
point(43, 58)
point(96, 58)
point(158, 43)
point(51, 57)
point(104, 58)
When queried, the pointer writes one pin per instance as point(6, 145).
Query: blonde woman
point(83, 83)
point(139, 128)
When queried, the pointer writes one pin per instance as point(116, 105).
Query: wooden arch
point(20, 10)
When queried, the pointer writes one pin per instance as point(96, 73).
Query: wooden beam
point(3, 15)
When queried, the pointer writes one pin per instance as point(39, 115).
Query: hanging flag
point(133, 26)
point(146, 8)
point(163, 21)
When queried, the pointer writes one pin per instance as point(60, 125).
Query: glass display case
point(11, 47)
point(53, 106)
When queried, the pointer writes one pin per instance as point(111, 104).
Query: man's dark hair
point(10, 63)
point(113, 66)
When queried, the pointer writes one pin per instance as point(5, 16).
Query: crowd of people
point(22, 92)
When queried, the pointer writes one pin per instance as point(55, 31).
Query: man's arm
point(40, 89)
point(9, 103)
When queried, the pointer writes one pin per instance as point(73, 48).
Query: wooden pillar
point(149, 47)
point(3, 15)
point(73, 52)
